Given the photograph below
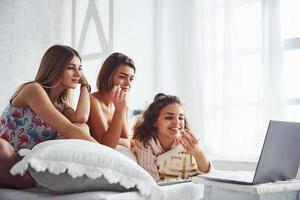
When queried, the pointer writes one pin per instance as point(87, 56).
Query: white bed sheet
point(183, 191)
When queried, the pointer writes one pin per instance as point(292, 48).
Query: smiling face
point(123, 76)
point(72, 73)
point(170, 121)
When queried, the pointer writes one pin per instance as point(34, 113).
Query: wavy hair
point(144, 128)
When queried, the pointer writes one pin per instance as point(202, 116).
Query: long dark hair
point(144, 128)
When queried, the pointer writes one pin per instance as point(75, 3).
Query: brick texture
point(27, 29)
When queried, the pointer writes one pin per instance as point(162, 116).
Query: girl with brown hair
point(164, 144)
point(40, 109)
point(108, 117)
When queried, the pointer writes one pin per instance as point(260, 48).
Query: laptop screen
point(280, 155)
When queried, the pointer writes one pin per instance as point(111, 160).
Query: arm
point(98, 122)
point(81, 114)
point(124, 139)
point(191, 144)
point(34, 96)
point(146, 159)
point(125, 130)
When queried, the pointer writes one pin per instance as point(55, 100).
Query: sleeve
point(211, 169)
point(146, 159)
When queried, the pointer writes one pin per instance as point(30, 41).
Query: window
point(252, 51)
point(289, 12)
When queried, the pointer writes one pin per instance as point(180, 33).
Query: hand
point(82, 78)
point(118, 97)
point(189, 142)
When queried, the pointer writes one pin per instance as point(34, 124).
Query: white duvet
point(182, 191)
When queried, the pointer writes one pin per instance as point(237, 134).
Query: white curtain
point(228, 70)
point(242, 84)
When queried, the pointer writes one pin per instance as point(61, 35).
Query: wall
point(158, 35)
point(134, 35)
point(27, 29)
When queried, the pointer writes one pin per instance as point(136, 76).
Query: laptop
point(279, 159)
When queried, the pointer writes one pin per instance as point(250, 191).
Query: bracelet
point(88, 87)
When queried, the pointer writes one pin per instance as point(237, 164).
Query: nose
point(77, 72)
point(176, 121)
point(127, 82)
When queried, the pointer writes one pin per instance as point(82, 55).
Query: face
point(72, 73)
point(170, 121)
point(123, 76)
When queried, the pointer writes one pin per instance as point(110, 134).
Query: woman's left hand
point(189, 142)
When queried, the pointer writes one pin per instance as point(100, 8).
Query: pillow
point(73, 165)
point(176, 163)
point(64, 183)
point(127, 152)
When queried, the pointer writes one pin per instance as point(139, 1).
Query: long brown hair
point(144, 128)
point(51, 69)
point(109, 66)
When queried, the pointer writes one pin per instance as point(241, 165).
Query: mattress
point(183, 191)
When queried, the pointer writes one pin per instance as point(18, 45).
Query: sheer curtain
point(241, 75)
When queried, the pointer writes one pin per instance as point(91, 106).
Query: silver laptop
point(279, 159)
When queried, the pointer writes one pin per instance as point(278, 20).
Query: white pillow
point(79, 158)
point(127, 152)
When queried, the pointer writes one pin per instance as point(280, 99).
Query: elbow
point(113, 146)
point(110, 144)
point(81, 119)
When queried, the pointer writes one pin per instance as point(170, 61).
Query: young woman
point(163, 143)
point(40, 109)
point(108, 117)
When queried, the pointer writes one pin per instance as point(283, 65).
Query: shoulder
point(95, 98)
point(33, 88)
point(95, 103)
point(29, 91)
point(148, 146)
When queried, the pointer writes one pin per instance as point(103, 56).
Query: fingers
point(116, 92)
point(188, 141)
point(187, 135)
point(190, 135)
point(186, 144)
point(82, 78)
point(118, 97)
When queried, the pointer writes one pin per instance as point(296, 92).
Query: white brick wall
point(27, 29)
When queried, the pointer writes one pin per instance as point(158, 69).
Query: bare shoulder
point(30, 90)
point(95, 102)
point(33, 88)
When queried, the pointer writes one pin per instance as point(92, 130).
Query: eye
point(168, 117)
point(122, 77)
point(70, 67)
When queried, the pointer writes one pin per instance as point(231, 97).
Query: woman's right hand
point(118, 97)
point(82, 79)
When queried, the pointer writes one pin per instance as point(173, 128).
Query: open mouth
point(174, 130)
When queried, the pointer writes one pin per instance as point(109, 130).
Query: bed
point(77, 169)
point(183, 191)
